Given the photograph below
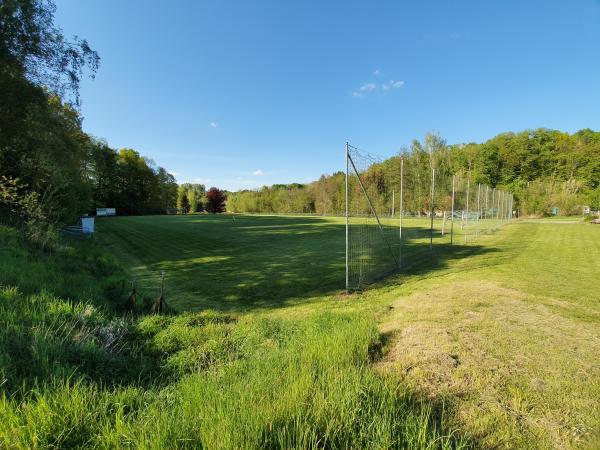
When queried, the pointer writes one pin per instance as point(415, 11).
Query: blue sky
point(246, 93)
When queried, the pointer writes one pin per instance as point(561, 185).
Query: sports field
point(504, 331)
point(212, 261)
point(222, 263)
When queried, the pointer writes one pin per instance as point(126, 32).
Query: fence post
point(347, 242)
point(401, 195)
point(487, 191)
point(452, 213)
point(432, 209)
point(444, 223)
point(401, 207)
point(498, 210)
point(478, 209)
point(467, 215)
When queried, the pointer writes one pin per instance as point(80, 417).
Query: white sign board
point(100, 212)
point(87, 225)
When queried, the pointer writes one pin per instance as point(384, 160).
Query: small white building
point(101, 212)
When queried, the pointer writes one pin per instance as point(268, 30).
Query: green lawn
point(253, 262)
point(212, 261)
point(492, 344)
point(510, 338)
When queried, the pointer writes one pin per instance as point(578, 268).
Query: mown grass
point(509, 338)
point(262, 262)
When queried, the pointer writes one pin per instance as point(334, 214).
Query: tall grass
point(75, 374)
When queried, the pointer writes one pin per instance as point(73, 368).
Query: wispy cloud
point(174, 173)
point(258, 173)
point(392, 85)
point(213, 124)
point(370, 87)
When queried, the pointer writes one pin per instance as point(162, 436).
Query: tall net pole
point(478, 209)
point(401, 208)
point(467, 213)
point(452, 215)
point(347, 225)
point(432, 209)
point(497, 208)
point(487, 191)
point(401, 195)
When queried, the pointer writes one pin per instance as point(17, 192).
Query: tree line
point(194, 198)
point(51, 171)
point(48, 164)
point(543, 168)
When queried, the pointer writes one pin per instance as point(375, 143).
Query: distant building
point(100, 212)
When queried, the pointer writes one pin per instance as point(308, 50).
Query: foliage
point(24, 209)
point(184, 203)
point(31, 42)
point(194, 194)
point(542, 167)
point(42, 143)
point(215, 200)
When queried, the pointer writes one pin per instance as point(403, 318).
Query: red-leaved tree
point(215, 200)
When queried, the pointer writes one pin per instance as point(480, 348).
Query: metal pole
point(487, 191)
point(498, 209)
point(347, 242)
point(444, 223)
point(401, 195)
point(452, 215)
point(478, 209)
point(493, 206)
point(501, 208)
point(432, 209)
point(401, 208)
point(467, 215)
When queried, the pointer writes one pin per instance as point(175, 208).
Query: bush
point(24, 209)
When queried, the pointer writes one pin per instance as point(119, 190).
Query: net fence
point(403, 212)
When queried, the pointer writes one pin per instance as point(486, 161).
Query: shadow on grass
point(264, 262)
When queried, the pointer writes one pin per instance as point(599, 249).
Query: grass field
point(505, 329)
point(253, 262)
point(489, 345)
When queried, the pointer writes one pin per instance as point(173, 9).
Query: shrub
point(25, 210)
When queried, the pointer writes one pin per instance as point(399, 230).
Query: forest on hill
point(543, 168)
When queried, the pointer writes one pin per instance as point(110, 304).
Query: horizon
point(244, 96)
